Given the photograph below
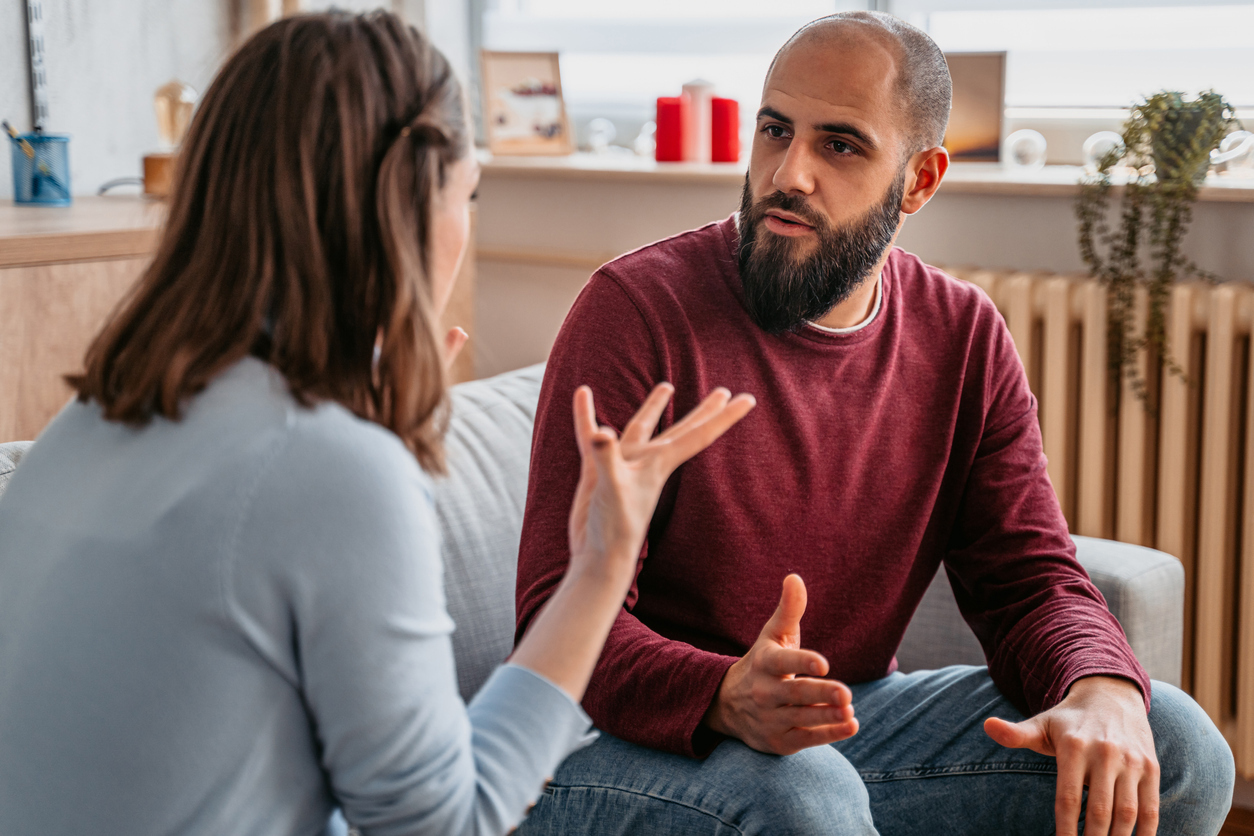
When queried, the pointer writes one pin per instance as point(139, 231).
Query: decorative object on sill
point(700, 93)
point(645, 144)
point(1097, 146)
point(724, 130)
point(670, 128)
point(1025, 149)
point(1235, 155)
point(975, 119)
point(174, 102)
point(522, 100)
point(41, 168)
point(697, 127)
point(601, 132)
point(1167, 142)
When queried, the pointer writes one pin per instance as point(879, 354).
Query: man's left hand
point(1101, 737)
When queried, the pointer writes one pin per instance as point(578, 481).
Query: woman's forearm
point(565, 639)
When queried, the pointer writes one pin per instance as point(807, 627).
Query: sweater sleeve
point(337, 584)
point(1011, 563)
point(646, 689)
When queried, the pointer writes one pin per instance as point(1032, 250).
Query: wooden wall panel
point(49, 314)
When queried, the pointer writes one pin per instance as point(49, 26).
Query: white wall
point(105, 59)
point(520, 307)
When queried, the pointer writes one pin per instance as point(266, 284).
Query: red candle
point(724, 130)
point(671, 111)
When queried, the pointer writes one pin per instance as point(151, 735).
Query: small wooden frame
point(523, 109)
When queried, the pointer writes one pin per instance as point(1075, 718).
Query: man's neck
point(855, 309)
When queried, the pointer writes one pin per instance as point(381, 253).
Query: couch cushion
point(10, 454)
point(480, 508)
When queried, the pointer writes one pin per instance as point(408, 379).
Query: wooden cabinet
point(63, 271)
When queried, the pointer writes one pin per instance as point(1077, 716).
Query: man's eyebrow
point(848, 130)
point(826, 127)
point(774, 114)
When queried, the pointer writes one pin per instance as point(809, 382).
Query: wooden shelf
point(91, 229)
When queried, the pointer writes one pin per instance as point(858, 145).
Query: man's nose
point(795, 173)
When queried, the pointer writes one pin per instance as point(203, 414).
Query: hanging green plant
point(1167, 142)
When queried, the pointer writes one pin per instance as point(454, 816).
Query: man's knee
point(815, 791)
point(1197, 767)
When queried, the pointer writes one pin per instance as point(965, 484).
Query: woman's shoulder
point(327, 453)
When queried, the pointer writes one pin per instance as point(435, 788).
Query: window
point(1066, 59)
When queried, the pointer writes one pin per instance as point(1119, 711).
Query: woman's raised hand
point(621, 479)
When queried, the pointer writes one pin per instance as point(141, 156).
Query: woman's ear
point(925, 171)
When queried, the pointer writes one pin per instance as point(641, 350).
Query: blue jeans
point(920, 764)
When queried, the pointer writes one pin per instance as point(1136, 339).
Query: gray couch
point(480, 508)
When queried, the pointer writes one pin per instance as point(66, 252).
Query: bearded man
point(894, 432)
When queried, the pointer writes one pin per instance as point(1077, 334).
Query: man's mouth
point(786, 223)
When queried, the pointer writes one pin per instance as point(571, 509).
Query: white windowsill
point(962, 178)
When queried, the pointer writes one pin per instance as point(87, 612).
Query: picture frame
point(975, 121)
point(523, 109)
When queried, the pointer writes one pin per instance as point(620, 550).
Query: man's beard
point(783, 289)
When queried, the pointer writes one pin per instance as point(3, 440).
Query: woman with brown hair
point(221, 608)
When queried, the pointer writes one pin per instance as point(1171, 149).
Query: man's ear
point(924, 173)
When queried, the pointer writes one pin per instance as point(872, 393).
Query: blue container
point(43, 180)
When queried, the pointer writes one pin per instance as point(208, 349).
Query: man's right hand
point(772, 698)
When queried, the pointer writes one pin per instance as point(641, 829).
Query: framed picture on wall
point(523, 110)
point(974, 132)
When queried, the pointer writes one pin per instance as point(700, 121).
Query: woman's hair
point(298, 232)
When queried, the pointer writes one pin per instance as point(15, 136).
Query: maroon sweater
point(871, 458)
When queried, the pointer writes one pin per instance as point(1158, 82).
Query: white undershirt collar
point(875, 309)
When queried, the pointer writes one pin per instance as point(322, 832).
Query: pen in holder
point(41, 168)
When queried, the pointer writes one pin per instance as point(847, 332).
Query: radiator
point(1178, 477)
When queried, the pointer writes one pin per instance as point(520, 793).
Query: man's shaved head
point(923, 83)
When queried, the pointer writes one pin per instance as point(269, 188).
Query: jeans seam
point(959, 770)
point(654, 796)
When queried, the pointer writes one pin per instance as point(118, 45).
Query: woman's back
point(174, 616)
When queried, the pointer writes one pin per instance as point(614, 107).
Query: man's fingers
point(1099, 807)
point(811, 716)
point(1026, 735)
point(784, 627)
point(787, 661)
point(1125, 810)
point(807, 691)
point(806, 738)
point(1069, 796)
point(641, 426)
point(1147, 803)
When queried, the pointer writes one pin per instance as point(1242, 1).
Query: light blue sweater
point(234, 623)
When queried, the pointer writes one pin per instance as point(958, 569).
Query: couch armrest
point(1144, 589)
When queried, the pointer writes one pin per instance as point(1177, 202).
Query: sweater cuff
point(541, 699)
point(523, 726)
point(698, 740)
point(1137, 677)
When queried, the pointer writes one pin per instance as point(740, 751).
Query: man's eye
point(774, 131)
point(842, 147)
